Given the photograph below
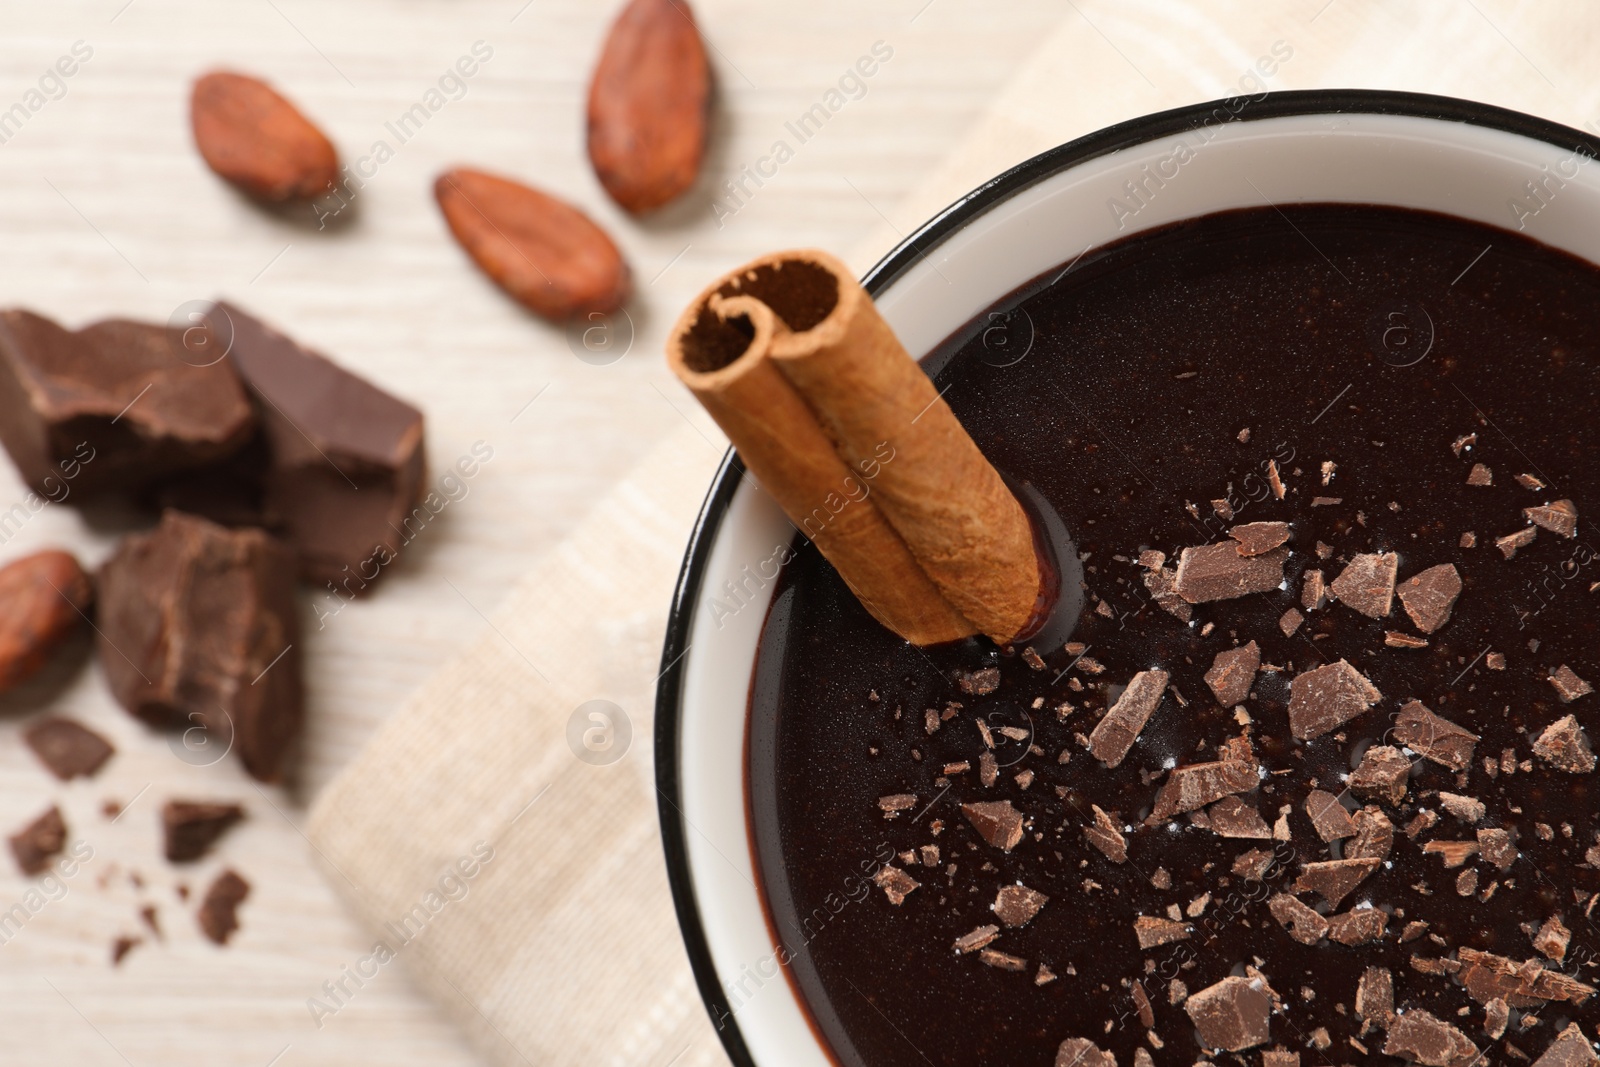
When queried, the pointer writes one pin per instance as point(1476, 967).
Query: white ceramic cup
point(1459, 158)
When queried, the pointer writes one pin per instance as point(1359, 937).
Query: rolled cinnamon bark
point(792, 359)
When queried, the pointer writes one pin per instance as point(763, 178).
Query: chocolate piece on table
point(1565, 747)
point(346, 459)
point(1232, 817)
point(1375, 996)
point(43, 598)
point(1569, 686)
point(1383, 774)
point(219, 910)
point(1106, 835)
point(67, 748)
point(1077, 1052)
point(1259, 538)
point(1511, 542)
point(1560, 518)
point(1430, 596)
point(1496, 846)
point(1374, 835)
point(1218, 572)
point(1415, 1034)
point(1014, 905)
point(1326, 698)
point(1152, 931)
point(1434, 737)
point(1233, 1014)
point(1302, 923)
point(996, 821)
point(199, 628)
point(1333, 880)
point(35, 844)
point(1570, 1049)
point(975, 939)
point(1115, 734)
point(1367, 583)
point(1233, 672)
point(1328, 816)
point(1358, 926)
point(190, 827)
point(112, 406)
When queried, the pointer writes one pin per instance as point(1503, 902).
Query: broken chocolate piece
point(1454, 853)
point(1232, 1015)
point(1399, 640)
point(895, 803)
point(1076, 1052)
point(1290, 622)
point(219, 911)
point(199, 628)
point(1375, 997)
point(1253, 866)
point(1259, 538)
point(1496, 1014)
point(1106, 835)
point(1569, 686)
point(1565, 747)
point(1560, 518)
point(1480, 475)
point(1417, 1035)
point(122, 946)
point(1004, 961)
point(191, 827)
point(1326, 698)
point(979, 683)
point(37, 843)
point(1233, 672)
point(895, 883)
point(1313, 591)
point(1357, 926)
point(346, 460)
point(996, 821)
point(1333, 880)
point(1510, 543)
point(1367, 583)
point(1302, 923)
point(1115, 734)
point(112, 406)
point(1570, 1049)
point(1497, 848)
point(1152, 931)
point(1384, 773)
point(1200, 784)
point(1279, 1058)
point(975, 939)
point(1162, 583)
point(1328, 816)
point(1468, 809)
point(1218, 572)
point(68, 748)
point(1429, 597)
point(1552, 939)
point(1433, 737)
point(1014, 905)
point(1522, 985)
point(1232, 817)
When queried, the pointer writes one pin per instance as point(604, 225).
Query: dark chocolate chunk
point(975, 939)
point(1218, 572)
point(1076, 1052)
point(1560, 518)
point(1302, 923)
point(1416, 1035)
point(1552, 939)
point(996, 821)
point(1106, 835)
point(1333, 880)
point(1232, 817)
point(44, 599)
point(1232, 1015)
point(1161, 580)
point(113, 406)
point(1510, 543)
point(1384, 774)
point(1233, 672)
point(1565, 747)
point(1357, 926)
point(979, 683)
point(35, 844)
point(68, 748)
point(1259, 538)
point(122, 946)
point(1199, 784)
point(219, 911)
point(1328, 816)
point(1522, 985)
point(1569, 686)
point(1375, 997)
point(1497, 848)
point(1326, 698)
point(1115, 734)
point(895, 883)
point(346, 460)
point(1253, 866)
point(1374, 835)
point(1429, 597)
point(1433, 737)
point(1570, 1049)
point(191, 827)
point(199, 629)
point(1152, 931)
point(1367, 584)
point(1014, 905)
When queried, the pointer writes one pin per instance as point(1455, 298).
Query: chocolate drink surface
point(1372, 834)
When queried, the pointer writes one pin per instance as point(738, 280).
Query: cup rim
point(905, 255)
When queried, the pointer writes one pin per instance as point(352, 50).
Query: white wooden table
point(106, 210)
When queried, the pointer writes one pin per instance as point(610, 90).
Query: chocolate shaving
point(1218, 572)
point(1367, 584)
point(1014, 905)
point(1233, 672)
point(1430, 596)
point(1333, 880)
point(69, 749)
point(1433, 737)
point(1002, 960)
point(1152, 931)
point(1399, 640)
point(1522, 985)
point(975, 939)
point(1357, 926)
point(1509, 544)
point(1569, 686)
point(1259, 538)
point(1302, 923)
point(1560, 518)
point(1416, 1035)
point(1232, 1015)
point(1570, 1049)
point(1565, 747)
point(35, 844)
point(1326, 698)
point(1328, 816)
point(1384, 774)
point(996, 821)
point(895, 883)
point(1232, 817)
point(1115, 734)
point(1106, 835)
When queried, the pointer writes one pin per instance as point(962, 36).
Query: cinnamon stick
point(837, 421)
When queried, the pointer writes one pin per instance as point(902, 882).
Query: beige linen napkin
point(524, 888)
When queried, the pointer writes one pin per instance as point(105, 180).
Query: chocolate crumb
point(1313, 591)
point(35, 844)
point(997, 822)
point(1259, 538)
point(1496, 1014)
point(1326, 501)
point(68, 748)
point(1032, 658)
point(1323, 699)
point(1233, 1014)
point(1106, 835)
point(1430, 596)
point(1384, 774)
point(1509, 544)
point(1399, 640)
point(1014, 905)
point(1253, 866)
point(975, 939)
point(1044, 976)
point(1367, 584)
point(1359, 926)
point(1468, 540)
point(1569, 686)
point(219, 910)
point(895, 883)
point(1468, 809)
point(1454, 853)
point(1115, 734)
point(1565, 747)
point(122, 946)
point(1480, 475)
point(151, 919)
point(988, 769)
point(1161, 879)
point(1274, 479)
point(1464, 441)
point(1375, 998)
point(891, 805)
point(1233, 672)
point(1528, 481)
